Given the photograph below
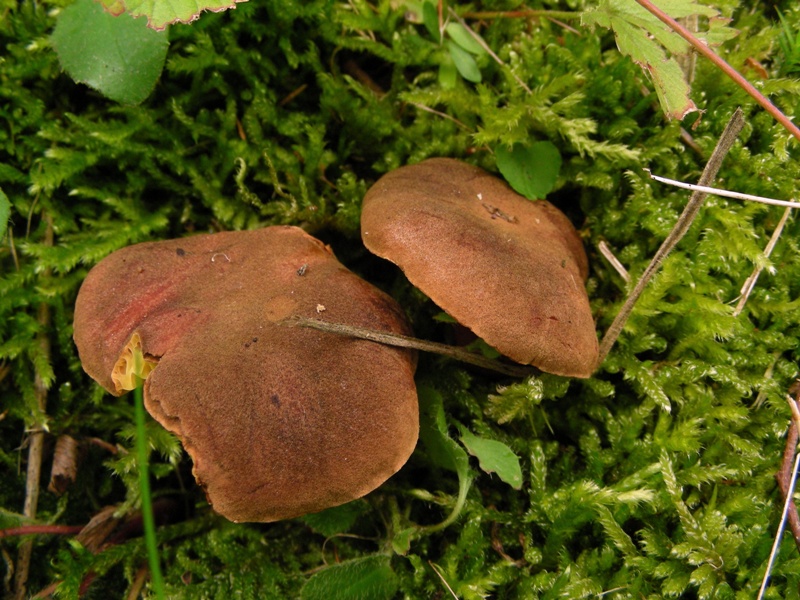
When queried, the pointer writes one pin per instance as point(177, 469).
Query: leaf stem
point(463, 488)
point(706, 51)
point(404, 341)
point(147, 501)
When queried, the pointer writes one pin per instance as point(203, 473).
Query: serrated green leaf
point(161, 13)
point(532, 170)
point(643, 37)
point(666, 74)
point(459, 34)
point(5, 213)
point(464, 62)
point(494, 457)
point(370, 578)
point(118, 56)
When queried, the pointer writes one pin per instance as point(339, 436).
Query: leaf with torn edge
point(644, 38)
point(161, 13)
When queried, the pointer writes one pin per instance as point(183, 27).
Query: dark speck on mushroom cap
point(510, 269)
point(279, 421)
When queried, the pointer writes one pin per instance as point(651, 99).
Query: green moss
point(653, 479)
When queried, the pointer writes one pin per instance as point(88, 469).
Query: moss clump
point(653, 479)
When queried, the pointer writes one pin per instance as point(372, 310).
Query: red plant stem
point(724, 66)
point(40, 529)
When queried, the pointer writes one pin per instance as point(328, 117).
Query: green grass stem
point(147, 502)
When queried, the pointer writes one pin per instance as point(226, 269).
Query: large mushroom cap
point(511, 270)
point(279, 421)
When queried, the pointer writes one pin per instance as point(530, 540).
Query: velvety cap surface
point(279, 421)
point(510, 269)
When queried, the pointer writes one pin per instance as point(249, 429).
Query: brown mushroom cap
point(510, 269)
point(279, 421)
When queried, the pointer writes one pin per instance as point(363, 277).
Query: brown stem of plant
point(36, 439)
point(40, 530)
point(723, 65)
point(784, 476)
point(724, 144)
point(404, 341)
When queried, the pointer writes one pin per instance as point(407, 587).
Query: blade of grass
point(147, 502)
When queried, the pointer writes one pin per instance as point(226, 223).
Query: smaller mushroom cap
point(279, 421)
point(510, 269)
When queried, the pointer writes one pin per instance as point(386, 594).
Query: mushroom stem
point(404, 341)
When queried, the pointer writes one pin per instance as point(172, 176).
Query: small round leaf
point(118, 56)
point(532, 169)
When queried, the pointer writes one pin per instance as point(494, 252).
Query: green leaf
point(118, 56)
point(643, 37)
point(668, 78)
point(493, 457)
point(401, 541)
point(461, 36)
point(5, 212)
point(464, 62)
point(442, 450)
point(448, 74)
point(161, 13)
point(430, 18)
point(370, 578)
point(532, 169)
point(337, 519)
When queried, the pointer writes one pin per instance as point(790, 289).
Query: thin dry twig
point(724, 193)
point(40, 530)
point(787, 479)
point(441, 114)
point(784, 476)
point(403, 341)
point(751, 281)
point(444, 581)
point(36, 441)
point(726, 140)
point(614, 261)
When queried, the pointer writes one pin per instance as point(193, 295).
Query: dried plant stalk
point(726, 140)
